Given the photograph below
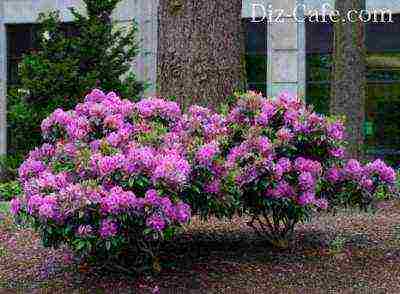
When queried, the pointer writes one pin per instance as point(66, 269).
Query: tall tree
point(348, 91)
point(200, 50)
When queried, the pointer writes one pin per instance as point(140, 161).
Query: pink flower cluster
point(206, 154)
point(74, 199)
point(97, 165)
point(368, 177)
point(288, 151)
point(110, 163)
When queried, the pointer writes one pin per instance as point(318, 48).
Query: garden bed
point(348, 252)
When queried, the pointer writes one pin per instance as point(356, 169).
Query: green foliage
point(64, 66)
point(10, 190)
point(4, 207)
point(23, 132)
point(9, 167)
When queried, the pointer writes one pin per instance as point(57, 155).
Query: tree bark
point(200, 50)
point(348, 92)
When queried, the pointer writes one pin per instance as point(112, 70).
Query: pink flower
point(285, 135)
point(321, 203)
point(306, 198)
point(385, 173)
point(47, 211)
point(155, 106)
point(140, 159)
point(30, 168)
point(207, 153)
point(291, 117)
point(338, 152)
point(336, 130)
point(306, 165)
point(97, 110)
point(108, 164)
point(268, 110)
point(288, 100)
point(95, 96)
point(282, 189)
point(171, 168)
point(152, 197)
point(353, 169)
point(108, 229)
point(307, 181)
point(15, 206)
point(367, 184)
point(114, 121)
point(285, 164)
point(236, 153)
point(183, 212)
point(264, 145)
point(156, 222)
point(334, 175)
point(213, 187)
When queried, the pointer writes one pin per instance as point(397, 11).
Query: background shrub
point(60, 70)
point(23, 132)
point(10, 190)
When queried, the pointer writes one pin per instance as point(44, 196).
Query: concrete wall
point(286, 46)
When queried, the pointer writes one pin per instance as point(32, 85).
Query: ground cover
point(346, 252)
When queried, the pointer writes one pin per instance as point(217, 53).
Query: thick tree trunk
point(349, 74)
point(200, 50)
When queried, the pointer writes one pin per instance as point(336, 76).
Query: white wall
point(286, 60)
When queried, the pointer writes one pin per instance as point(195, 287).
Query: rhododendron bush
point(289, 161)
point(116, 176)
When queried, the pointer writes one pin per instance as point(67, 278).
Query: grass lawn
point(350, 252)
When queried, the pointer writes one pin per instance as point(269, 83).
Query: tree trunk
point(200, 50)
point(349, 74)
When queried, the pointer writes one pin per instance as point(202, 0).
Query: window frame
point(377, 149)
point(261, 29)
point(13, 58)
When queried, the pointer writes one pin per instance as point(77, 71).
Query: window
point(21, 39)
point(256, 55)
point(319, 47)
point(382, 127)
point(383, 90)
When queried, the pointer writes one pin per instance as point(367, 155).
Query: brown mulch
point(350, 252)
